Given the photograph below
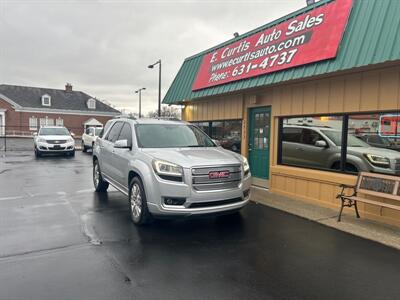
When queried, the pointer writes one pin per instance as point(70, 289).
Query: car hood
point(54, 137)
point(190, 157)
point(391, 154)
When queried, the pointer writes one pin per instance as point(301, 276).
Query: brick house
point(24, 109)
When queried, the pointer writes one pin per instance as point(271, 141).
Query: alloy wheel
point(136, 201)
point(96, 175)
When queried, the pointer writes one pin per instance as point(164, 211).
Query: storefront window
point(380, 135)
point(205, 126)
point(372, 143)
point(313, 142)
point(231, 135)
point(217, 130)
point(227, 133)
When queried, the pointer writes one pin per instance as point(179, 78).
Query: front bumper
point(55, 148)
point(196, 202)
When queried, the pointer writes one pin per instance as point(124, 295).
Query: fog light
point(174, 201)
point(246, 194)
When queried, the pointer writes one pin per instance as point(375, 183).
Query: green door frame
point(259, 155)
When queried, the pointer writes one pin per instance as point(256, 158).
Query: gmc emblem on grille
point(218, 174)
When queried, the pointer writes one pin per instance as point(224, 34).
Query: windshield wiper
point(196, 146)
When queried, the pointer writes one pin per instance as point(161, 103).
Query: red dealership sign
point(310, 37)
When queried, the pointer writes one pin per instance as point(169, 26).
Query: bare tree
point(166, 112)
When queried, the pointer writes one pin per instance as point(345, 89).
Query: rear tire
point(84, 149)
point(349, 167)
point(139, 211)
point(99, 184)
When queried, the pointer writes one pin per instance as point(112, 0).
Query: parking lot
point(60, 240)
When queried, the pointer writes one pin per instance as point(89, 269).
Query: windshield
point(54, 131)
point(97, 131)
point(336, 138)
point(171, 136)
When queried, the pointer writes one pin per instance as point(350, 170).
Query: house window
point(42, 122)
point(91, 103)
point(32, 123)
point(349, 143)
point(59, 122)
point(46, 122)
point(46, 100)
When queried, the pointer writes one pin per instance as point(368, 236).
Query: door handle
point(299, 149)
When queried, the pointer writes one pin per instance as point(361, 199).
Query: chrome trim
point(209, 208)
point(202, 183)
point(114, 184)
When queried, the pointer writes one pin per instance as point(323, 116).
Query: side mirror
point(122, 144)
point(321, 144)
point(72, 134)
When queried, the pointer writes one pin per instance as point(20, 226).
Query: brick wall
point(19, 121)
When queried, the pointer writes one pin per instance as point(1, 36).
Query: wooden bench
point(378, 185)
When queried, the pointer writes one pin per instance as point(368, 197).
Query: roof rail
point(125, 117)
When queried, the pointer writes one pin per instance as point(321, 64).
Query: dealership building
point(310, 99)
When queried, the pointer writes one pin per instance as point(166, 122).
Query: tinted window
point(336, 138)
point(292, 135)
point(114, 132)
point(54, 131)
point(126, 134)
point(98, 131)
point(171, 136)
point(310, 137)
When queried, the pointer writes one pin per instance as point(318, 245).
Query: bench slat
point(378, 194)
point(359, 199)
point(394, 195)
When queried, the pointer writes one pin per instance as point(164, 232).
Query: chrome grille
point(202, 182)
point(55, 142)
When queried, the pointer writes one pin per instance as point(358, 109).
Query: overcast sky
point(103, 47)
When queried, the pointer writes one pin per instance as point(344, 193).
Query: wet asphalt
point(60, 240)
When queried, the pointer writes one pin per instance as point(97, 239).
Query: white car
point(89, 137)
point(53, 139)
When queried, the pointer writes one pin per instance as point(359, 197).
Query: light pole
point(139, 91)
point(158, 62)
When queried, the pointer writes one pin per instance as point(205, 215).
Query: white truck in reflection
point(320, 147)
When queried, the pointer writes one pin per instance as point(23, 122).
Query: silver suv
point(320, 147)
point(169, 168)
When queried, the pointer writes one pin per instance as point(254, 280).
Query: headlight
point(378, 160)
point(70, 140)
point(165, 168)
point(246, 166)
point(41, 140)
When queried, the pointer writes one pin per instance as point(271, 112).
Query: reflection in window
point(313, 142)
point(227, 133)
point(380, 133)
point(373, 143)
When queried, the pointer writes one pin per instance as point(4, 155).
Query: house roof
point(31, 97)
point(371, 37)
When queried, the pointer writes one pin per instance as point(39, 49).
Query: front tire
point(139, 212)
point(99, 184)
point(37, 153)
